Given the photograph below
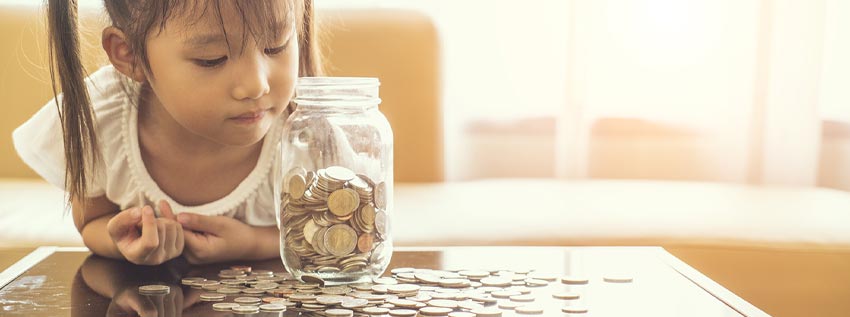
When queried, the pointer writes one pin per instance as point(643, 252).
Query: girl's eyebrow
point(207, 39)
point(204, 39)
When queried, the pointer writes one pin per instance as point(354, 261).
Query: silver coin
point(273, 307)
point(402, 313)
point(339, 312)
point(224, 306)
point(566, 296)
point(154, 289)
point(618, 278)
point(576, 309)
point(574, 280)
point(246, 309)
point(247, 300)
point(212, 297)
point(340, 173)
point(529, 310)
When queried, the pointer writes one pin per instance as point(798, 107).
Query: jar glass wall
point(334, 182)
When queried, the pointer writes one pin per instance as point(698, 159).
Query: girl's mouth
point(250, 117)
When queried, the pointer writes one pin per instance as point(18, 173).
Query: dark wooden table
point(53, 281)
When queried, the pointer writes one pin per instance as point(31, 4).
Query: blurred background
point(749, 91)
point(740, 91)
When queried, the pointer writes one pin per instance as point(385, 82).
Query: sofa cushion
point(620, 212)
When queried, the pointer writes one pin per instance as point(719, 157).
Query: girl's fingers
point(163, 241)
point(150, 238)
point(123, 222)
point(166, 211)
point(180, 242)
point(170, 239)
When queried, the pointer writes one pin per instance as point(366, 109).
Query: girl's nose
point(251, 80)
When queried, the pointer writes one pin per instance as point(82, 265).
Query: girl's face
point(228, 94)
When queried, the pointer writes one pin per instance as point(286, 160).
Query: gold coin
point(297, 186)
point(343, 202)
point(319, 241)
point(340, 240)
point(367, 214)
point(310, 229)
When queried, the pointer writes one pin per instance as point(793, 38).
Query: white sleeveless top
point(122, 176)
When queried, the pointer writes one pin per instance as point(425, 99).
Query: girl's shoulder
point(39, 141)
point(108, 88)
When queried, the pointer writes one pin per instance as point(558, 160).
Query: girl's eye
point(276, 50)
point(210, 63)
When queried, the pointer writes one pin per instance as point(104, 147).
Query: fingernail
point(147, 210)
point(135, 212)
point(182, 218)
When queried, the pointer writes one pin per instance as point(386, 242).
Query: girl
point(185, 116)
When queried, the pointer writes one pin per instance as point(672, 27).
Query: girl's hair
point(137, 18)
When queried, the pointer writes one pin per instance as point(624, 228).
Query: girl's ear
point(115, 44)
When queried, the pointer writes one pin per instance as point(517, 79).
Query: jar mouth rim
point(351, 103)
point(338, 82)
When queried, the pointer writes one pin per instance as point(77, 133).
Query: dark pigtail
point(78, 131)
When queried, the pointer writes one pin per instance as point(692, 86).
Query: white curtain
point(746, 91)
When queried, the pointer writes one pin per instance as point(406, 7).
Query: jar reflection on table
point(334, 181)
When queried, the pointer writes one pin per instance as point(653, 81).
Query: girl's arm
point(91, 223)
point(133, 234)
point(269, 243)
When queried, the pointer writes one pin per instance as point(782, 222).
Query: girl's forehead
point(231, 20)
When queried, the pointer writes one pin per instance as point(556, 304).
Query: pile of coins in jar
point(333, 220)
point(407, 292)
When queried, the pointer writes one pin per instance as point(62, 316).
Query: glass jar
point(334, 182)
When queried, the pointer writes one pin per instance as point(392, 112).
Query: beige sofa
point(786, 250)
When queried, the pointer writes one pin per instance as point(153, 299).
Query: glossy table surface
point(53, 281)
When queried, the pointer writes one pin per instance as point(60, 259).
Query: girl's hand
point(216, 238)
point(159, 240)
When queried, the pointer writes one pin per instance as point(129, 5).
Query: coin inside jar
point(364, 243)
point(340, 173)
point(336, 198)
point(343, 202)
point(340, 240)
point(297, 186)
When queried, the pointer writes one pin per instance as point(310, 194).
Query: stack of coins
point(154, 289)
point(333, 220)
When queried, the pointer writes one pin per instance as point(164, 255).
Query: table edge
point(710, 286)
